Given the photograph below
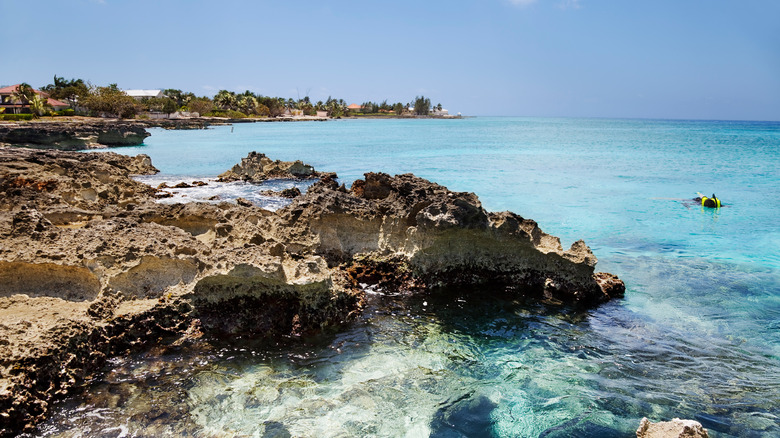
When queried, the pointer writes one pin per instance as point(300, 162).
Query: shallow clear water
point(696, 336)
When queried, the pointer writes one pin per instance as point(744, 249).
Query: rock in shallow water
point(127, 272)
point(676, 428)
point(258, 168)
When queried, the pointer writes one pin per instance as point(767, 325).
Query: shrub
point(200, 105)
point(231, 114)
point(263, 110)
point(65, 112)
point(236, 114)
point(16, 117)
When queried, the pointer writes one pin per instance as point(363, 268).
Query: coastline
point(78, 133)
point(95, 268)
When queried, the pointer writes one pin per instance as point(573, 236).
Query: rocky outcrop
point(290, 193)
point(91, 266)
point(75, 135)
point(257, 168)
point(671, 429)
point(442, 238)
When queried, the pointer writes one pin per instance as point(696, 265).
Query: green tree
point(307, 108)
point(226, 100)
point(275, 105)
point(201, 105)
point(247, 104)
point(335, 108)
point(181, 98)
point(111, 101)
point(70, 91)
point(262, 110)
point(422, 105)
point(398, 108)
point(161, 104)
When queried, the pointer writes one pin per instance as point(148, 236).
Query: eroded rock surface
point(676, 428)
point(442, 238)
point(91, 266)
point(257, 168)
point(73, 135)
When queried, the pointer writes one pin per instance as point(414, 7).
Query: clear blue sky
point(703, 59)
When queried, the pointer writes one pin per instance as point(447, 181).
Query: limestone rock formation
point(676, 428)
point(445, 238)
point(91, 266)
point(257, 168)
point(290, 193)
point(73, 135)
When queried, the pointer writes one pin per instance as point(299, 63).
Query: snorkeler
point(711, 202)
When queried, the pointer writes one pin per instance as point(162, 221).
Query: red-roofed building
point(8, 103)
point(355, 107)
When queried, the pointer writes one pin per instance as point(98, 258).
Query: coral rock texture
point(671, 429)
point(257, 167)
point(92, 267)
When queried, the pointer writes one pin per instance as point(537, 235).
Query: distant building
point(355, 107)
point(18, 107)
point(440, 112)
point(322, 114)
point(144, 94)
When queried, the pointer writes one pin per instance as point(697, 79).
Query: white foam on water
point(215, 191)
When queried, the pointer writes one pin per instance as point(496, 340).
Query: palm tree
point(39, 105)
point(247, 104)
point(23, 94)
point(226, 100)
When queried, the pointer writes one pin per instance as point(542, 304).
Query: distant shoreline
point(78, 133)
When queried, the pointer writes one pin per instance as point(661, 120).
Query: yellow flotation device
point(711, 202)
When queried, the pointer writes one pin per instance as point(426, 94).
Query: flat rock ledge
point(91, 267)
point(73, 135)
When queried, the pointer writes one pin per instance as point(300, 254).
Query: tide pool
point(697, 335)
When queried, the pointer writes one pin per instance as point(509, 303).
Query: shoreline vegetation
point(74, 114)
point(78, 97)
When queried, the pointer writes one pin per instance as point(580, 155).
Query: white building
point(143, 94)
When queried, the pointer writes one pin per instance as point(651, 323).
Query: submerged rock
point(91, 266)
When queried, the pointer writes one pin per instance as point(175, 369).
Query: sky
point(675, 59)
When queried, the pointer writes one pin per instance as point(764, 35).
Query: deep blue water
point(697, 335)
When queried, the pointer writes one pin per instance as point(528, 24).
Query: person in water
point(711, 202)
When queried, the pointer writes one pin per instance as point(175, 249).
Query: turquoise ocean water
point(697, 335)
